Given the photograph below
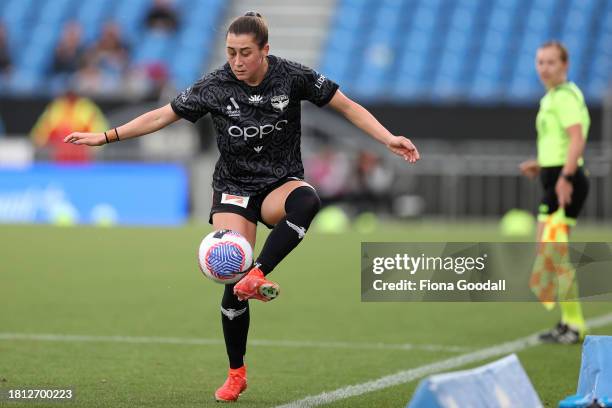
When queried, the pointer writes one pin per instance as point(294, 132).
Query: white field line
point(422, 371)
point(254, 342)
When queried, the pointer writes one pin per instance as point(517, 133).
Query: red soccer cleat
point(255, 286)
point(235, 384)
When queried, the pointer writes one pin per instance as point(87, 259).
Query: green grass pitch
point(144, 282)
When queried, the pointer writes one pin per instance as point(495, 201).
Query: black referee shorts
point(247, 206)
point(550, 202)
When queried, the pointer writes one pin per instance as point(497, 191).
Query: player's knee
point(312, 204)
point(304, 200)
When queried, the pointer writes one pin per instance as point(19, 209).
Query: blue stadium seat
point(17, 11)
point(54, 13)
point(344, 41)
point(375, 75)
point(480, 50)
point(92, 14)
point(130, 16)
point(153, 47)
point(34, 27)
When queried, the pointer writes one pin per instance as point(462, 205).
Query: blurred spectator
point(88, 79)
point(105, 64)
point(69, 52)
point(373, 183)
point(146, 80)
point(64, 115)
point(162, 17)
point(329, 173)
point(2, 130)
point(5, 56)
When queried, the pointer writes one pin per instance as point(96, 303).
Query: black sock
point(235, 321)
point(301, 206)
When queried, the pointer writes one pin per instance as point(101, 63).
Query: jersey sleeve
point(567, 107)
point(314, 87)
point(193, 102)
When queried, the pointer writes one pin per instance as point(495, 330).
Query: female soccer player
point(563, 125)
point(254, 100)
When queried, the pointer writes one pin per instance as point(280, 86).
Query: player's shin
point(235, 320)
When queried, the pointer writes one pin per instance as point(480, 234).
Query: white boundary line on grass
point(254, 342)
point(422, 371)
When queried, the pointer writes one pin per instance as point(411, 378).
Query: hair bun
point(252, 14)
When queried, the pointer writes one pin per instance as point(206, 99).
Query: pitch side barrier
point(103, 194)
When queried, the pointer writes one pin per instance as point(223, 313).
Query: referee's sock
point(301, 206)
point(235, 321)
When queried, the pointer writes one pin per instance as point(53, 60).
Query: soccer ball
point(225, 256)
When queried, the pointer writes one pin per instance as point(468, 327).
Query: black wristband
point(106, 137)
point(117, 133)
point(568, 177)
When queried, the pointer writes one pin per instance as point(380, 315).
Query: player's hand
point(89, 139)
point(564, 190)
point(530, 168)
point(403, 147)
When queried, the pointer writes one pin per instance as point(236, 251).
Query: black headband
point(252, 14)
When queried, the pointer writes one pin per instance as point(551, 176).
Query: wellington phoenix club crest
point(280, 102)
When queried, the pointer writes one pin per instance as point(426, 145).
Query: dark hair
point(251, 23)
point(558, 45)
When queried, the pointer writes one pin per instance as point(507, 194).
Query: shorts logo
point(233, 110)
point(240, 201)
point(258, 148)
point(280, 102)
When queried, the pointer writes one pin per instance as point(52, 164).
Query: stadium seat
point(453, 52)
point(34, 28)
point(404, 50)
point(380, 52)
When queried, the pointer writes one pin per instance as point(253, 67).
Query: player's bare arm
point(144, 124)
point(364, 120)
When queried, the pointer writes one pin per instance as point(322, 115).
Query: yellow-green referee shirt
point(561, 107)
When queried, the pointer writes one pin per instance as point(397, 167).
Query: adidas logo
point(235, 111)
point(255, 99)
point(258, 148)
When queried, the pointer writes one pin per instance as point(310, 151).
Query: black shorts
point(550, 202)
point(247, 206)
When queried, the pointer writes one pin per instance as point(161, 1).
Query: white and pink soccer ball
point(225, 256)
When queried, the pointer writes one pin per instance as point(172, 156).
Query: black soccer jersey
point(258, 127)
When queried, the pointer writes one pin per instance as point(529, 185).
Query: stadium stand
point(474, 51)
point(34, 26)
point(436, 51)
